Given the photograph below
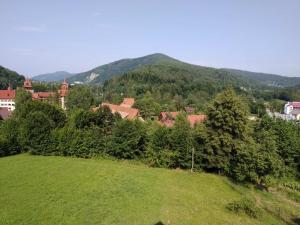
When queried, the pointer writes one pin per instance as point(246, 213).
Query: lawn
point(59, 190)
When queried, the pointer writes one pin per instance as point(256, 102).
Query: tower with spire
point(27, 85)
point(63, 92)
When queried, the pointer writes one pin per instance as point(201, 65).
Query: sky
point(77, 35)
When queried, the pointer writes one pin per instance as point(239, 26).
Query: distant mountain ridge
point(52, 77)
point(105, 72)
point(267, 79)
point(100, 74)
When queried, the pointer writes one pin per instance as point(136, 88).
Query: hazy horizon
point(44, 37)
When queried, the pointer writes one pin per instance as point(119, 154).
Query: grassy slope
point(57, 190)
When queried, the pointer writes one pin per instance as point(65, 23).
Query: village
point(126, 110)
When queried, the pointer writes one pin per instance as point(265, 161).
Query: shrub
point(246, 206)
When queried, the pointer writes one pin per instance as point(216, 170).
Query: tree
point(181, 142)
point(54, 113)
point(158, 146)
point(288, 142)
point(128, 139)
point(149, 109)
point(22, 97)
point(9, 137)
point(226, 130)
point(79, 97)
point(36, 130)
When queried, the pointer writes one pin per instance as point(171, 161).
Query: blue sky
point(46, 36)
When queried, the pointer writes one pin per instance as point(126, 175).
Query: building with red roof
point(7, 99)
point(42, 95)
point(27, 85)
point(127, 102)
point(168, 118)
point(124, 109)
point(290, 106)
point(46, 96)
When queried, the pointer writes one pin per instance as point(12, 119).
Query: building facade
point(7, 99)
point(292, 109)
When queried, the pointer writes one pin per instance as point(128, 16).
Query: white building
point(292, 109)
point(7, 99)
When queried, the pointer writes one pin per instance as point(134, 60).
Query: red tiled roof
point(127, 102)
point(5, 113)
point(42, 95)
point(168, 118)
point(194, 119)
point(7, 94)
point(125, 112)
point(295, 104)
point(165, 115)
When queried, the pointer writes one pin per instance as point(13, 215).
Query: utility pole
point(193, 154)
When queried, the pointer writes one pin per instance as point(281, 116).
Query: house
point(7, 99)
point(168, 118)
point(5, 113)
point(290, 106)
point(194, 119)
point(127, 102)
point(292, 109)
point(124, 109)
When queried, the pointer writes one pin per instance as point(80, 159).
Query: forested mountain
point(268, 79)
point(10, 77)
point(105, 72)
point(175, 85)
point(56, 76)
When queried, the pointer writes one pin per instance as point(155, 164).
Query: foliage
point(158, 152)
point(128, 140)
point(181, 142)
point(54, 113)
point(9, 137)
point(149, 109)
point(79, 97)
point(8, 77)
point(35, 132)
point(246, 206)
point(226, 128)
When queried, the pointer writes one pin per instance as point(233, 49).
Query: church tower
point(27, 85)
point(64, 89)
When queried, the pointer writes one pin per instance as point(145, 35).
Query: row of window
point(7, 104)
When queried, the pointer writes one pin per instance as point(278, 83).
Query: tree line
point(227, 143)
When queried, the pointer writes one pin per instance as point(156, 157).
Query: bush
point(295, 186)
point(128, 140)
point(9, 137)
point(246, 206)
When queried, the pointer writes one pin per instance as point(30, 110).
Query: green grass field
point(58, 190)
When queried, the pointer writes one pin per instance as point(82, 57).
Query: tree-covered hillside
point(173, 86)
point(52, 77)
point(9, 77)
point(267, 79)
point(107, 71)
